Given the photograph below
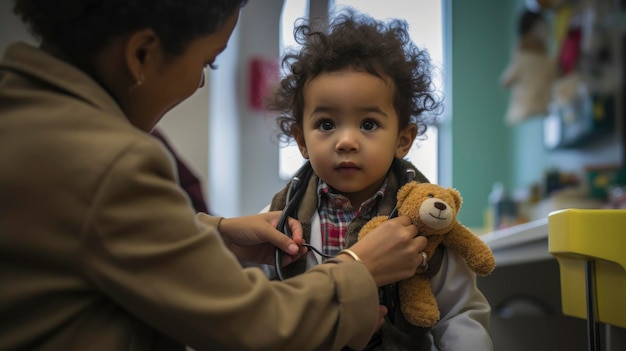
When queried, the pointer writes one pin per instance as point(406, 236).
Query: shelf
point(523, 243)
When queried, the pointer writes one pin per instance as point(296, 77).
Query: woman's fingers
point(391, 250)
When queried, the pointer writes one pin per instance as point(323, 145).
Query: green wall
point(483, 33)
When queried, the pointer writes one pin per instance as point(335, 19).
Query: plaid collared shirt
point(336, 212)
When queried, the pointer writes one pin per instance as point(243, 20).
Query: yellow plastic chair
point(590, 247)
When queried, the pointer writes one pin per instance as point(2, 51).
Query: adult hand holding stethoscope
point(255, 238)
point(391, 251)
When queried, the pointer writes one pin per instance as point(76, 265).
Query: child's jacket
point(465, 311)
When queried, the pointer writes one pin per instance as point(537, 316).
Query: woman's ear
point(142, 49)
point(406, 137)
point(298, 135)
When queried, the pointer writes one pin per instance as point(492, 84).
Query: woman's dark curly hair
point(80, 27)
point(357, 41)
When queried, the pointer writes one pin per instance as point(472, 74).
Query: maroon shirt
point(186, 178)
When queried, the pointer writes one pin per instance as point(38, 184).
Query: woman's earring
point(138, 83)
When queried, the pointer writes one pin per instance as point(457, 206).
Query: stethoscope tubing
point(294, 195)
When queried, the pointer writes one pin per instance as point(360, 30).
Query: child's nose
point(348, 141)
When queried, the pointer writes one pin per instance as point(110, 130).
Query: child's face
point(350, 131)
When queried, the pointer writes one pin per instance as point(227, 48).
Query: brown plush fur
point(433, 210)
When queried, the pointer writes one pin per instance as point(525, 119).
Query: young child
point(357, 94)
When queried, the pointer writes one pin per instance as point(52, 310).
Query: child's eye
point(212, 66)
point(369, 125)
point(325, 125)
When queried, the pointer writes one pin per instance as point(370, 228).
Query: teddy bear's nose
point(440, 206)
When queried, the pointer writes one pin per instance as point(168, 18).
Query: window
point(426, 29)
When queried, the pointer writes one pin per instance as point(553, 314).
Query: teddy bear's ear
point(404, 191)
point(457, 198)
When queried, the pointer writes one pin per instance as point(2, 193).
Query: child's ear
point(405, 140)
point(299, 137)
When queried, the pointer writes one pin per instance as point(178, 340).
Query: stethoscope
point(295, 192)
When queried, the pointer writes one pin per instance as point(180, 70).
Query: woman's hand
point(391, 251)
point(255, 238)
point(382, 313)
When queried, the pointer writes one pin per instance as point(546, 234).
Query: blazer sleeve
point(464, 309)
point(145, 251)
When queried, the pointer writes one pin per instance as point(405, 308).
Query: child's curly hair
point(357, 41)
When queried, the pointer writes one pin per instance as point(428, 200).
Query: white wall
point(258, 167)
point(186, 127)
point(11, 28)
point(244, 152)
point(224, 174)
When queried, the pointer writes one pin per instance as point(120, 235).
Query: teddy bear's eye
point(431, 195)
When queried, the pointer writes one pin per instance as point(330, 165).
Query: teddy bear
point(433, 209)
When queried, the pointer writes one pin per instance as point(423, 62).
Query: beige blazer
point(100, 250)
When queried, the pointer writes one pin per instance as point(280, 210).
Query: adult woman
point(100, 249)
